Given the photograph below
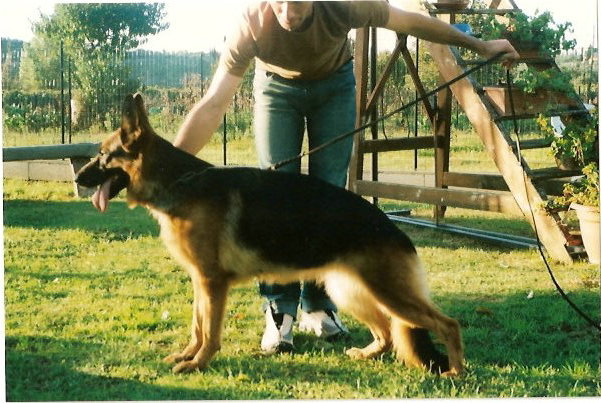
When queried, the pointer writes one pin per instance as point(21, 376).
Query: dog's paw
point(356, 353)
point(186, 367)
point(175, 358)
point(452, 373)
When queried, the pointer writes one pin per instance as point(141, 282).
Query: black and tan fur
point(230, 224)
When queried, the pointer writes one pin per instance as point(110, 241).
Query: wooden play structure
point(510, 191)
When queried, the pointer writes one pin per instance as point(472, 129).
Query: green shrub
point(32, 112)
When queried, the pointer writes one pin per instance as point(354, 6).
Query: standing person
point(304, 82)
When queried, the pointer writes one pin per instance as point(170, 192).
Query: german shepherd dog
point(230, 224)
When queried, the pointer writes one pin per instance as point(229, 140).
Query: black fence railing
point(63, 102)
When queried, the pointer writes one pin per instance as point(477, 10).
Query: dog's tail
point(415, 348)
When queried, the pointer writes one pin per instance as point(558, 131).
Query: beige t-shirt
point(311, 54)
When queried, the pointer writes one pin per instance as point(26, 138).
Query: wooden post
point(76, 165)
point(373, 112)
point(442, 132)
point(361, 51)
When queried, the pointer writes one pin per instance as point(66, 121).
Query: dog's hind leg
point(397, 284)
point(414, 347)
point(196, 329)
point(349, 295)
point(213, 306)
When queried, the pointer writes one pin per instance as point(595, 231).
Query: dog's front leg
point(213, 307)
point(196, 339)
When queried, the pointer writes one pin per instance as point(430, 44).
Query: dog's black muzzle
point(92, 175)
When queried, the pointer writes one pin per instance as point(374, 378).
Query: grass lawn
point(94, 302)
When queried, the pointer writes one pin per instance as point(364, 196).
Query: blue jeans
point(284, 109)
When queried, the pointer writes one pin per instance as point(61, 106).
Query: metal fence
point(58, 100)
point(172, 83)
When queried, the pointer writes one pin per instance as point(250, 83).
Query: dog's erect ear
point(134, 121)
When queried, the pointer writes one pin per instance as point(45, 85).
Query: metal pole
point(224, 134)
point(70, 100)
point(62, 95)
point(416, 105)
point(202, 85)
point(225, 139)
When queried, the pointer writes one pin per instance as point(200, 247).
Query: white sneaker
point(278, 333)
point(325, 324)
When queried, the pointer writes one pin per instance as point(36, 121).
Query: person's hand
point(493, 47)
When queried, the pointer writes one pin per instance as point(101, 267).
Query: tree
point(95, 38)
point(103, 27)
point(11, 59)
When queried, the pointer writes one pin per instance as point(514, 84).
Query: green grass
point(94, 302)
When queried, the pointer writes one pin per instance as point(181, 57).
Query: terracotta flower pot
point(451, 4)
point(526, 49)
point(567, 163)
point(589, 228)
point(526, 103)
point(530, 51)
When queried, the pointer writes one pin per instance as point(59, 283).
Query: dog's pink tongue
point(100, 199)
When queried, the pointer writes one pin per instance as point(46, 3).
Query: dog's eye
point(105, 158)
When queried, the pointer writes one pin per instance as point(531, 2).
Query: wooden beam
point(477, 181)
point(398, 144)
point(533, 144)
point(361, 52)
point(553, 173)
point(50, 152)
point(417, 81)
point(526, 194)
point(372, 111)
point(508, 4)
point(501, 202)
point(377, 91)
point(490, 181)
point(442, 129)
point(361, 69)
point(467, 11)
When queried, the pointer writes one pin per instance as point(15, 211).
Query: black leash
point(466, 73)
point(538, 242)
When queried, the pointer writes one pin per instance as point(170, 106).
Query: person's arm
point(206, 116)
point(434, 30)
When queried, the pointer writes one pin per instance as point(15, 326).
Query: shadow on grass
point(43, 369)
point(118, 223)
point(542, 330)
point(537, 343)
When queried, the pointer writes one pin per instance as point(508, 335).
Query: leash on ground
point(538, 242)
point(341, 137)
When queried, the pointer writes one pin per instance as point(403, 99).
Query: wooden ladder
point(519, 189)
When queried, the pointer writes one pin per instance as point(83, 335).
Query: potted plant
point(538, 88)
point(583, 197)
point(532, 36)
point(534, 92)
point(577, 144)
